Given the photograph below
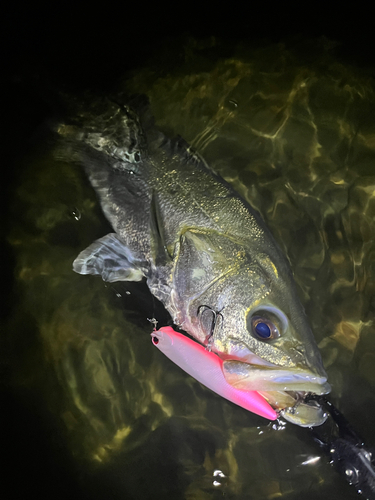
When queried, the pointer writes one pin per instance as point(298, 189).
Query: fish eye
point(263, 328)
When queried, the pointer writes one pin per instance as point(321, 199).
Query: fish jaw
point(284, 389)
point(284, 383)
point(273, 378)
point(244, 369)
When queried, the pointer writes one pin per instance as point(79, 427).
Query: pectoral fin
point(109, 258)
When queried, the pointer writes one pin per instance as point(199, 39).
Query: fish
point(206, 367)
point(204, 252)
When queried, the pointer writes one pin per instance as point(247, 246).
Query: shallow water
point(294, 132)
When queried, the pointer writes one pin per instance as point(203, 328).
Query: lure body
point(206, 367)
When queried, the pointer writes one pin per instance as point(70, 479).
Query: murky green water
point(294, 132)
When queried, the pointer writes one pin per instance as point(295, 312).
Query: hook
point(215, 315)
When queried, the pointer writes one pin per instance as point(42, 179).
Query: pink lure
point(206, 367)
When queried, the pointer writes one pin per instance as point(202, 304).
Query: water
point(293, 130)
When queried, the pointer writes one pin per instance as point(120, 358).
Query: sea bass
point(205, 253)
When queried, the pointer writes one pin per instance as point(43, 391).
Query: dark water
point(95, 411)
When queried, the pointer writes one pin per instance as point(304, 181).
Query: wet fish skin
point(204, 252)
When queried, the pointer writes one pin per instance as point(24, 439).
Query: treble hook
point(215, 315)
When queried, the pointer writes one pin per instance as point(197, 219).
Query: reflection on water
point(296, 138)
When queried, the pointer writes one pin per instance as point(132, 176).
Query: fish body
point(207, 368)
point(204, 251)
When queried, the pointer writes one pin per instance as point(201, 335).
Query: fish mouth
point(265, 378)
point(281, 387)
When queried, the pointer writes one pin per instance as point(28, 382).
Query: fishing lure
point(206, 367)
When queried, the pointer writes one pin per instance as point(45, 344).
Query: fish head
point(245, 307)
point(271, 334)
